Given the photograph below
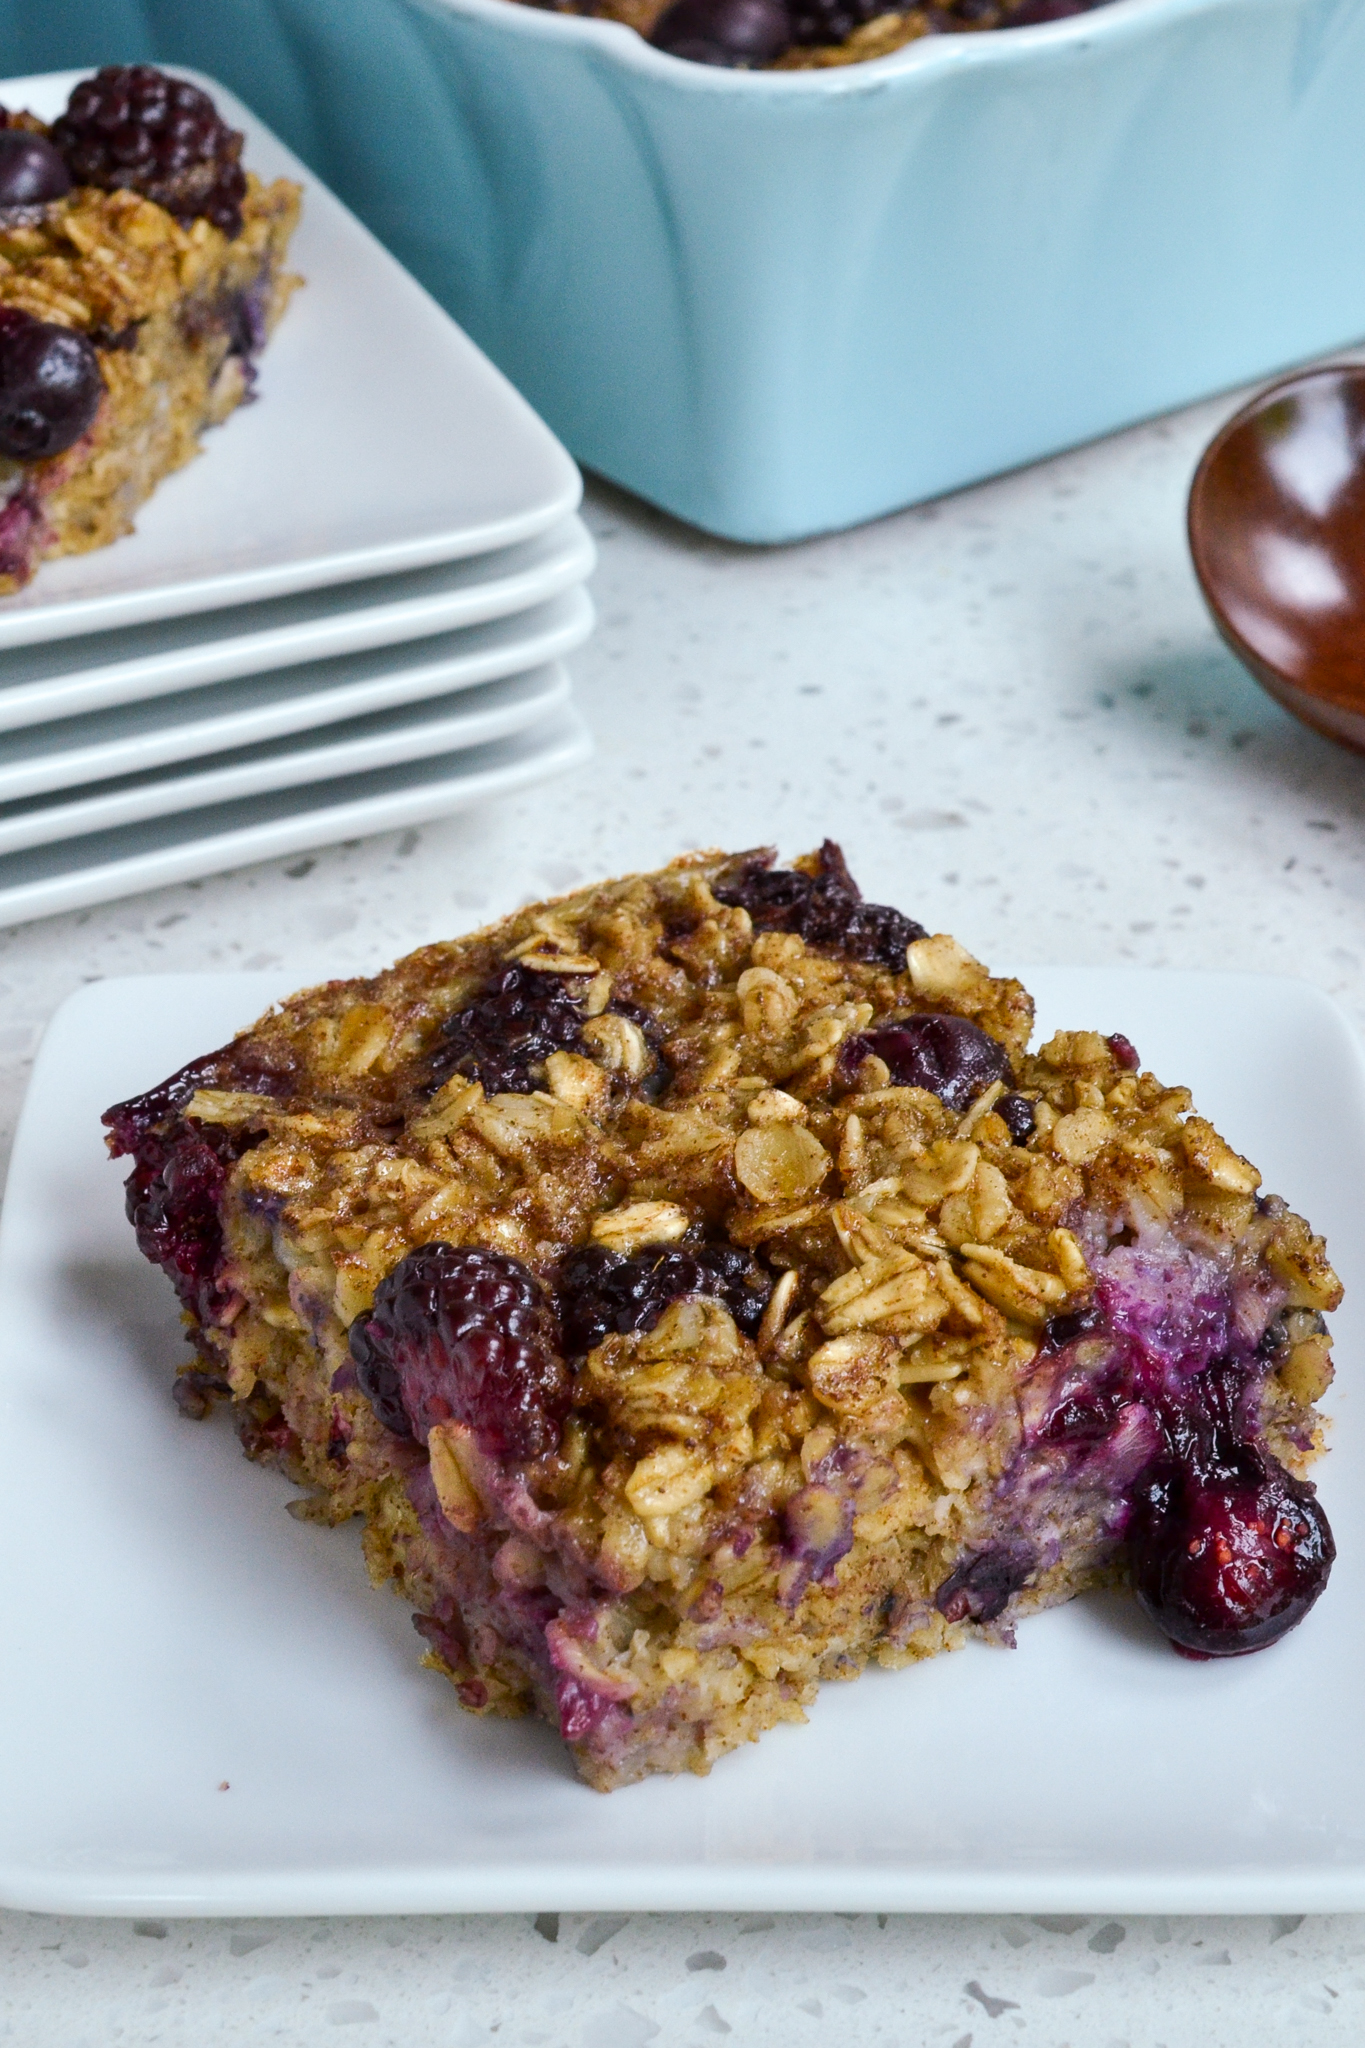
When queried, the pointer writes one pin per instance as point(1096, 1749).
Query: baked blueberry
point(31, 170)
point(50, 386)
point(735, 33)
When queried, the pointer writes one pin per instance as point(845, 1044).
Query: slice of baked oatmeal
point(141, 274)
point(699, 1288)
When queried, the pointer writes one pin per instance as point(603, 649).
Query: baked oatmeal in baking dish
point(141, 274)
point(808, 35)
point(699, 1288)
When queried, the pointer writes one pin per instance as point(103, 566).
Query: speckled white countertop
point(1011, 709)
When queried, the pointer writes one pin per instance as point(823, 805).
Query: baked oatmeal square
point(700, 1289)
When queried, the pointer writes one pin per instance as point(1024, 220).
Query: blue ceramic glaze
point(778, 303)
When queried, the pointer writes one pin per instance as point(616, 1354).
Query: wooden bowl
point(1277, 532)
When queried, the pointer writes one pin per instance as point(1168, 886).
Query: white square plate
point(169, 1630)
point(56, 680)
point(67, 874)
point(447, 724)
point(128, 738)
point(383, 440)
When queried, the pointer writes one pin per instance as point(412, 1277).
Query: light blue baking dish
point(781, 303)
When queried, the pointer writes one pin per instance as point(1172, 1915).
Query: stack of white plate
point(350, 614)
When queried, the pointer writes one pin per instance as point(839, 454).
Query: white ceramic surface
point(63, 680)
point(99, 867)
point(1089, 1771)
point(130, 738)
point(383, 440)
point(404, 732)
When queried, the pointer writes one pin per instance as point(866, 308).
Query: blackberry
point(953, 1059)
point(130, 126)
point(1228, 1551)
point(50, 386)
point(466, 1335)
point(238, 1066)
point(826, 909)
point(504, 1037)
point(171, 1198)
point(1089, 1320)
point(603, 1292)
point(180, 1167)
point(1033, 11)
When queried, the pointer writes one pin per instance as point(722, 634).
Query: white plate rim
point(521, 641)
point(529, 573)
point(525, 758)
point(418, 732)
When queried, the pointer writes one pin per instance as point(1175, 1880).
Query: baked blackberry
point(602, 1292)
point(821, 903)
point(31, 171)
point(462, 1335)
point(738, 34)
point(131, 127)
point(504, 1037)
point(950, 1056)
point(179, 1170)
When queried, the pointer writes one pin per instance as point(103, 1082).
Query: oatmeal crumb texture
point(699, 1288)
point(176, 313)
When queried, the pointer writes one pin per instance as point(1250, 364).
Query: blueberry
point(466, 1335)
point(950, 1057)
point(735, 33)
point(31, 170)
point(1230, 1560)
point(50, 386)
point(1016, 1114)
